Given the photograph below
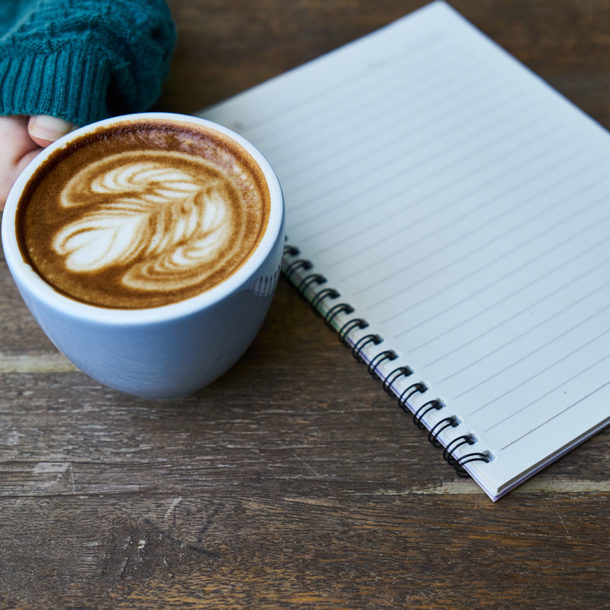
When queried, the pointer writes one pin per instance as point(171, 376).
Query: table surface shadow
point(294, 480)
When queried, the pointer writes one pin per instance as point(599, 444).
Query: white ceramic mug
point(161, 352)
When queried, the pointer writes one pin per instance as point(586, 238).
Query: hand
point(21, 139)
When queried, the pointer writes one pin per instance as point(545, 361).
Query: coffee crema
point(142, 214)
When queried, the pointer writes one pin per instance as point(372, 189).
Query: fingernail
point(48, 127)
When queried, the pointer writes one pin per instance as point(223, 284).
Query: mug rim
point(37, 285)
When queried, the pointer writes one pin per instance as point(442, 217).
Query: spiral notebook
point(448, 216)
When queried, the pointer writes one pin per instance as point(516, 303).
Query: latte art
point(176, 222)
point(143, 216)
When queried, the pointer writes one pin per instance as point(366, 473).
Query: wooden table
point(293, 481)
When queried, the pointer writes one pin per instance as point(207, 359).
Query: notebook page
point(460, 205)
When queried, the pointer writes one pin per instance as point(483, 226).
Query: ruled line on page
point(563, 383)
point(435, 44)
point(497, 302)
point(442, 289)
point(539, 372)
point(460, 237)
point(425, 199)
point(386, 140)
point(546, 297)
point(363, 94)
point(381, 166)
point(442, 92)
point(481, 290)
point(535, 259)
point(555, 416)
point(579, 273)
point(384, 200)
point(307, 154)
point(578, 302)
point(555, 338)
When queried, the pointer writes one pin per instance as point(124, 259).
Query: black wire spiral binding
point(443, 424)
point(477, 456)
point(300, 263)
point(418, 416)
point(291, 250)
point(395, 375)
point(326, 293)
point(415, 388)
point(458, 441)
point(362, 343)
point(375, 363)
point(349, 326)
point(308, 280)
point(389, 380)
point(335, 310)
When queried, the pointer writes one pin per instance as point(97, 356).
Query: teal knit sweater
point(83, 60)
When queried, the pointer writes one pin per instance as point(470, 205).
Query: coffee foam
point(143, 227)
point(167, 221)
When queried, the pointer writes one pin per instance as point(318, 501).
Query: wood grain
point(293, 481)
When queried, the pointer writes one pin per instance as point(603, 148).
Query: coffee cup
point(148, 248)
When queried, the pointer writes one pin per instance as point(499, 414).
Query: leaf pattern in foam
point(104, 237)
point(160, 218)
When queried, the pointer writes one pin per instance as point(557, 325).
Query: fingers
point(20, 142)
point(23, 162)
point(16, 150)
point(46, 129)
point(14, 139)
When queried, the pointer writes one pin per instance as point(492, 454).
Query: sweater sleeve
point(84, 60)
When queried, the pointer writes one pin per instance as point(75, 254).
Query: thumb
point(45, 129)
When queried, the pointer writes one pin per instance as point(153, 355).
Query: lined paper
point(460, 205)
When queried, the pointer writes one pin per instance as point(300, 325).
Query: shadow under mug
point(161, 352)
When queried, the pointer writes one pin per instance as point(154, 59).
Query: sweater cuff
point(71, 85)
